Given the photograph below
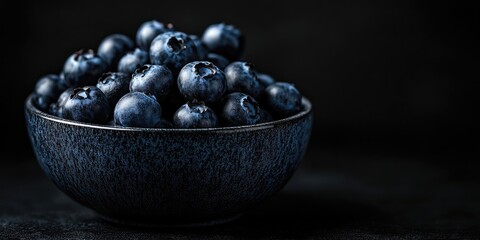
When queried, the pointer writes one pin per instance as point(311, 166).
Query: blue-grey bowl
point(168, 177)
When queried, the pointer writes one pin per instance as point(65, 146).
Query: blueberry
point(195, 115)
point(136, 109)
point(114, 47)
point(83, 68)
point(57, 107)
point(225, 40)
point(202, 50)
point(87, 104)
point(265, 80)
point(283, 99)
point(114, 85)
point(41, 102)
point(240, 109)
point(241, 77)
point(53, 109)
point(153, 79)
point(219, 60)
point(201, 81)
point(148, 31)
point(50, 86)
point(265, 116)
point(62, 80)
point(132, 60)
point(47, 90)
point(173, 49)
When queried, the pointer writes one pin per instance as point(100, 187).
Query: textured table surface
point(334, 195)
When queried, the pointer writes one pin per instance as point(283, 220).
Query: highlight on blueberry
point(202, 81)
point(173, 49)
point(132, 60)
point(83, 68)
point(87, 104)
point(283, 98)
point(195, 115)
point(240, 109)
point(56, 108)
point(114, 47)
point(223, 39)
point(153, 79)
point(47, 90)
point(242, 77)
point(137, 109)
point(114, 85)
point(148, 31)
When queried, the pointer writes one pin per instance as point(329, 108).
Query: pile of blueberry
point(166, 79)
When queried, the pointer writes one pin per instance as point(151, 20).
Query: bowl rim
point(307, 109)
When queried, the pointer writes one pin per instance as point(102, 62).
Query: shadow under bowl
point(168, 177)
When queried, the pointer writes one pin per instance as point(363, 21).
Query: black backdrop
point(382, 76)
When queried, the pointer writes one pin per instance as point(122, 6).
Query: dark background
point(394, 86)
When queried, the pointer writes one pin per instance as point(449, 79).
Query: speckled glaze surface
point(168, 177)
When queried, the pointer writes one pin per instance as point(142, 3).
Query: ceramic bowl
point(168, 177)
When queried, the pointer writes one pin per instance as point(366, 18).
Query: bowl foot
point(153, 224)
